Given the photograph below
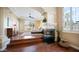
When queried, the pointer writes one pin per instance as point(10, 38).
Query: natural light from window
point(71, 19)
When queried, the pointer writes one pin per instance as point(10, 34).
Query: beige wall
point(1, 25)
point(13, 18)
point(4, 13)
point(21, 25)
point(1, 20)
point(73, 38)
point(59, 18)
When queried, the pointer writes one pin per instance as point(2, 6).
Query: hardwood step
point(24, 41)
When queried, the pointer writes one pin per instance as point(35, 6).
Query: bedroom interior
point(39, 29)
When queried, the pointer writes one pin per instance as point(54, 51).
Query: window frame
point(68, 31)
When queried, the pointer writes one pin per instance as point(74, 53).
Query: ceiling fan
point(30, 16)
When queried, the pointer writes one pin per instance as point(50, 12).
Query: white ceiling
point(36, 12)
point(25, 11)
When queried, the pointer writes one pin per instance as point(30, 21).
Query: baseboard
point(74, 46)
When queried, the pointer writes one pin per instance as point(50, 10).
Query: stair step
point(20, 42)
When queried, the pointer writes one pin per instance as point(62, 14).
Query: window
point(71, 19)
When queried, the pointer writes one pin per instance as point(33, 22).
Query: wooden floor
point(24, 39)
point(26, 36)
point(40, 47)
point(23, 44)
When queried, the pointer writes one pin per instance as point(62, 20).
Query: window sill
point(71, 32)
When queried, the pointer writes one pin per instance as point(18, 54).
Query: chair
point(49, 36)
